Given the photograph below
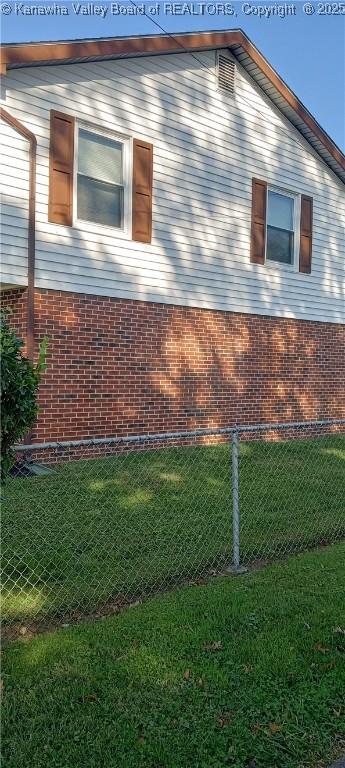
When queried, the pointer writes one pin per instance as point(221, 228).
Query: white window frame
point(296, 229)
point(127, 143)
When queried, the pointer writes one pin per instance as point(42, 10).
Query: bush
point(19, 384)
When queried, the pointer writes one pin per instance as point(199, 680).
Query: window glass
point(280, 226)
point(99, 202)
point(100, 190)
point(280, 211)
point(279, 245)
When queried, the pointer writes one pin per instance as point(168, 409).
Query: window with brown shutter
point(275, 237)
point(142, 191)
point(61, 157)
point(258, 233)
point(306, 237)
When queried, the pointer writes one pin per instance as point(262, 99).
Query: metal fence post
point(235, 567)
point(235, 504)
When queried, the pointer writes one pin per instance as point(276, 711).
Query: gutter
point(31, 138)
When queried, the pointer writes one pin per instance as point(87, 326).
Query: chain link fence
point(90, 526)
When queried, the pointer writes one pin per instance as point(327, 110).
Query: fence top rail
point(27, 448)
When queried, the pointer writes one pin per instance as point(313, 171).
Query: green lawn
point(115, 528)
point(241, 672)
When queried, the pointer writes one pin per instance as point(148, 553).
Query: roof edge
point(34, 54)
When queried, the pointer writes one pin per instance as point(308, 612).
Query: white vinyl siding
point(207, 146)
point(14, 205)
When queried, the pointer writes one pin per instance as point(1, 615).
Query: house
point(173, 220)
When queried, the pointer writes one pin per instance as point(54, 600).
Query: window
point(100, 179)
point(280, 240)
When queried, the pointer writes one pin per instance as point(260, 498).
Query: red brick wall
point(118, 367)
point(14, 302)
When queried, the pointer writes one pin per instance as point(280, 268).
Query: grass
point(117, 527)
point(237, 673)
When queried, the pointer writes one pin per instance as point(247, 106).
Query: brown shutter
point(61, 156)
point(142, 191)
point(258, 235)
point(306, 234)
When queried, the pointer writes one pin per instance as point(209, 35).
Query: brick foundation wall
point(14, 301)
point(117, 367)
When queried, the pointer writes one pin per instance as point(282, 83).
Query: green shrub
point(19, 384)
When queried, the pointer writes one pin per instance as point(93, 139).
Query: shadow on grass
point(212, 676)
point(121, 527)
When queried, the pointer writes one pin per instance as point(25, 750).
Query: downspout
point(31, 138)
